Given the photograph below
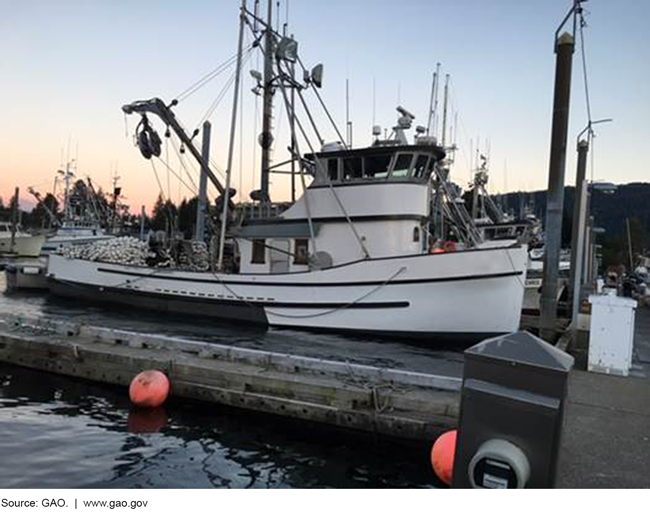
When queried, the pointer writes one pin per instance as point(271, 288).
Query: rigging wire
point(291, 114)
point(582, 25)
point(197, 85)
point(241, 135)
point(167, 202)
point(183, 165)
point(177, 176)
point(322, 103)
point(223, 92)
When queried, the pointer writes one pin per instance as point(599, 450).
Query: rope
point(374, 389)
point(514, 269)
point(320, 314)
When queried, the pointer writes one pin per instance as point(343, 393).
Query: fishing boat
point(354, 253)
point(74, 233)
point(81, 220)
point(18, 243)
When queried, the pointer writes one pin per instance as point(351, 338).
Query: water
point(59, 432)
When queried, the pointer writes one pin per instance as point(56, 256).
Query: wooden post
point(203, 184)
point(555, 204)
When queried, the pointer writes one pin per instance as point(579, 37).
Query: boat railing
point(254, 211)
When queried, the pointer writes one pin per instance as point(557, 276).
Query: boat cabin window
point(402, 166)
point(380, 166)
point(420, 168)
point(376, 167)
point(352, 169)
point(259, 251)
point(301, 252)
point(333, 169)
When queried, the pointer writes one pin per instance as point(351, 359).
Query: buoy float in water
point(147, 421)
point(149, 389)
point(442, 456)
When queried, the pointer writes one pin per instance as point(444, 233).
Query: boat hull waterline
point(466, 295)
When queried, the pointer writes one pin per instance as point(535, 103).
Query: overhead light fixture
point(317, 75)
point(287, 50)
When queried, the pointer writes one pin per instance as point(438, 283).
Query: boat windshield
point(401, 166)
point(377, 167)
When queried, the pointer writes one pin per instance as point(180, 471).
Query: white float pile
point(124, 250)
point(194, 256)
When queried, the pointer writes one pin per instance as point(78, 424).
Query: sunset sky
point(67, 67)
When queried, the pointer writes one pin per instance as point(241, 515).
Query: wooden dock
point(398, 403)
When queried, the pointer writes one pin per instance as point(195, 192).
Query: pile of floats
point(184, 255)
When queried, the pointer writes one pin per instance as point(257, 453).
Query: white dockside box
point(611, 335)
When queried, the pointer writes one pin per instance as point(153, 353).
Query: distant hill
point(610, 212)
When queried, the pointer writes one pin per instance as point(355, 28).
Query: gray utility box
point(512, 406)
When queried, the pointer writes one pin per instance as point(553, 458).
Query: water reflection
point(57, 432)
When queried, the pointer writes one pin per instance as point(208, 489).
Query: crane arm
point(157, 107)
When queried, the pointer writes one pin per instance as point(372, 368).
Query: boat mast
point(67, 175)
point(433, 105)
point(444, 113)
point(266, 138)
point(233, 127)
point(293, 127)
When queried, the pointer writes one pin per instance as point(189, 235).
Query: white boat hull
point(23, 246)
point(57, 243)
point(467, 294)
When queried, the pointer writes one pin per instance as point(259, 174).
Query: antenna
point(286, 19)
point(471, 154)
point(433, 105)
point(347, 112)
point(374, 101)
point(455, 135)
point(256, 13)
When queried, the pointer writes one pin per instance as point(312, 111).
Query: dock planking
point(392, 402)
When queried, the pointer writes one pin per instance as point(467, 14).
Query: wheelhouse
point(404, 163)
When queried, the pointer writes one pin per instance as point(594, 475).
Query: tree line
point(165, 216)
point(611, 211)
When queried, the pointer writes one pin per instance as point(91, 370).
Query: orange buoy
point(442, 456)
point(149, 389)
point(450, 247)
